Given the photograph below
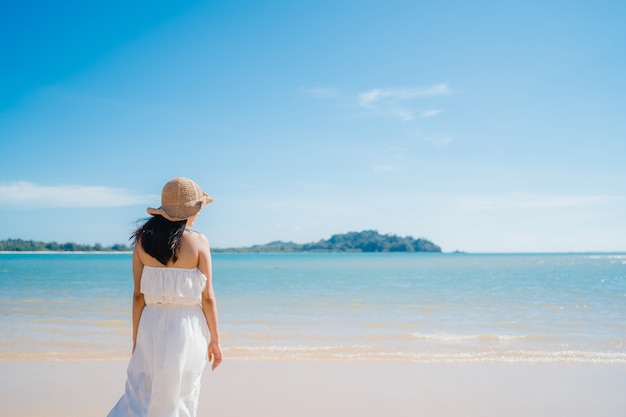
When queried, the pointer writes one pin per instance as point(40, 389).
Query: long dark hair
point(160, 238)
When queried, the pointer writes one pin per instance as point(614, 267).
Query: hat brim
point(192, 205)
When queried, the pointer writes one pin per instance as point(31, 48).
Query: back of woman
point(175, 326)
point(193, 247)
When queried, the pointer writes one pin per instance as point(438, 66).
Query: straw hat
point(181, 199)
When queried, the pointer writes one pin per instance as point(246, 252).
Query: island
point(365, 241)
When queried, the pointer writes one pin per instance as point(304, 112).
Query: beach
point(335, 335)
point(331, 388)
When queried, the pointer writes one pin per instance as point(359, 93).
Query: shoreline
point(332, 388)
point(350, 354)
point(68, 252)
point(236, 251)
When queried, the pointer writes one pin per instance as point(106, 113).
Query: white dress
point(165, 370)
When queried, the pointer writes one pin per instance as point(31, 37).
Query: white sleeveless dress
point(165, 370)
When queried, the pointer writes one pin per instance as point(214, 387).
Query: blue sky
point(482, 126)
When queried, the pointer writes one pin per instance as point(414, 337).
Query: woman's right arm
point(138, 301)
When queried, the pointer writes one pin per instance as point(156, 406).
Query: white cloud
point(372, 98)
point(368, 98)
point(395, 102)
point(26, 194)
point(391, 102)
point(430, 113)
point(529, 201)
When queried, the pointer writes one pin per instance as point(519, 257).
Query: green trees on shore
point(20, 245)
point(365, 241)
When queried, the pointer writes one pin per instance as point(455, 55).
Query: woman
point(175, 326)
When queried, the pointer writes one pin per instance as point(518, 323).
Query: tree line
point(21, 245)
point(365, 241)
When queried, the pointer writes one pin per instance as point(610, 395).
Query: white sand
point(307, 389)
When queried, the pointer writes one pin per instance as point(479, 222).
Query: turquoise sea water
point(415, 307)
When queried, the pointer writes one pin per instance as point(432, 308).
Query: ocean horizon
point(418, 307)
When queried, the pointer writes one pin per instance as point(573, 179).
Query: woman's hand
point(215, 354)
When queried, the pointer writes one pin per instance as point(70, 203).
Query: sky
point(483, 126)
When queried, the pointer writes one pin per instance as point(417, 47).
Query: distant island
point(365, 241)
point(21, 245)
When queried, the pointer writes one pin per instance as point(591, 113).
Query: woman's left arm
point(209, 303)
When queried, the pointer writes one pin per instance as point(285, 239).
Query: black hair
point(160, 238)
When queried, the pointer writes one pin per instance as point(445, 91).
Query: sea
point(414, 307)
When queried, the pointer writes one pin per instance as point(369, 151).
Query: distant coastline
point(22, 245)
point(365, 241)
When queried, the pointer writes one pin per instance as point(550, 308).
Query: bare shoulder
point(198, 237)
point(196, 242)
point(199, 244)
point(142, 257)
